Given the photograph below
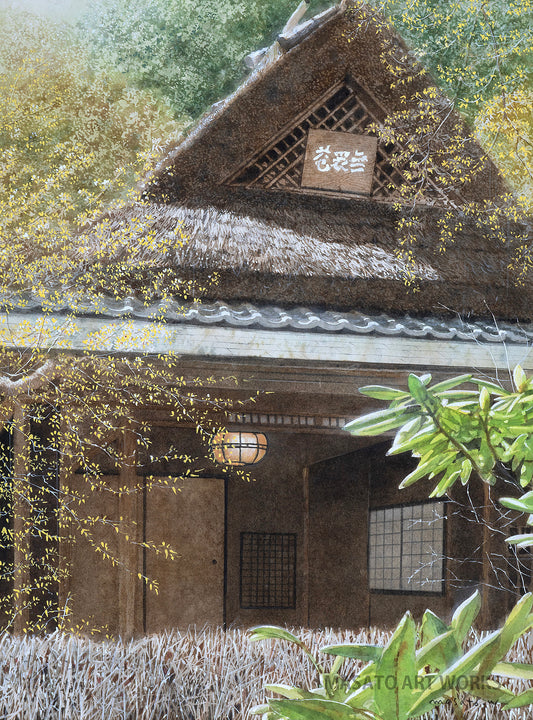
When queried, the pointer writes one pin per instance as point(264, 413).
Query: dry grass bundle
point(202, 674)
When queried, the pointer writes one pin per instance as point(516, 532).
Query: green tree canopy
point(191, 53)
point(480, 53)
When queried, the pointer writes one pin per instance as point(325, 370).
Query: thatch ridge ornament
point(239, 448)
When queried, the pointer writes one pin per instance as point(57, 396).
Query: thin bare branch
point(34, 381)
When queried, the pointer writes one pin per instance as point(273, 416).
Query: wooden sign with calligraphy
point(339, 161)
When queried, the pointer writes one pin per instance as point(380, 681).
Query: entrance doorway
point(191, 587)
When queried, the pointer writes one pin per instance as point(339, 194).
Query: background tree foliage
point(74, 138)
point(73, 141)
point(480, 53)
point(191, 53)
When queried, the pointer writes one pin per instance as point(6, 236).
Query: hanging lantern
point(239, 448)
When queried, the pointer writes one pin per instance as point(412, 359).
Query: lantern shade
point(239, 448)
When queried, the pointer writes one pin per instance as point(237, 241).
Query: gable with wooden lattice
point(346, 107)
point(331, 74)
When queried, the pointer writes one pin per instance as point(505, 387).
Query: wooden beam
point(21, 521)
point(296, 16)
point(127, 336)
point(130, 551)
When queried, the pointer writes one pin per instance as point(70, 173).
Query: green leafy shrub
point(421, 667)
point(458, 427)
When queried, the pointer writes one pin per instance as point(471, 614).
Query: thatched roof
point(345, 257)
point(277, 243)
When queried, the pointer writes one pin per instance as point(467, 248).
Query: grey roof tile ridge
point(271, 317)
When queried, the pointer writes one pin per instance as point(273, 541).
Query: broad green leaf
point(517, 429)
point(514, 670)
point(492, 387)
point(381, 392)
point(378, 422)
point(446, 482)
point(407, 432)
point(355, 650)
point(420, 438)
point(526, 473)
point(272, 632)
point(336, 688)
point(516, 623)
point(519, 378)
point(435, 465)
point(337, 664)
point(317, 709)
point(259, 710)
point(363, 697)
point(520, 541)
point(484, 400)
point(486, 458)
point(426, 707)
point(464, 616)
point(528, 447)
point(439, 653)
point(525, 698)
point(451, 420)
point(418, 389)
point(431, 627)
point(289, 691)
point(487, 690)
point(458, 398)
point(522, 504)
point(396, 672)
point(439, 441)
point(366, 675)
point(518, 444)
point(462, 667)
point(451, 383)
point(466, 470)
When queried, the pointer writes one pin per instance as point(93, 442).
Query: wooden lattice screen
point(345, 107)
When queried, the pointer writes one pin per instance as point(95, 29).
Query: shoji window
point(406, 548)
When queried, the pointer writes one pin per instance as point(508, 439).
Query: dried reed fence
point(202, 674)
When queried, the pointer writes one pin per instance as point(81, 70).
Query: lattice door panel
point(346, 107)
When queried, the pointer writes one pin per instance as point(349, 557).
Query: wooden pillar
point(21, 521)
point(66, 470)
point(485, 614)
point(130, 553)
point(305, 563)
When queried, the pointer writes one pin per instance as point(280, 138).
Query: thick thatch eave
point(306, 256)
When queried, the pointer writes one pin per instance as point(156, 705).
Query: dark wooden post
point(21, 521)
point(486, 549)
point(305, 563)
point(66, 470)
point(130, 553)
